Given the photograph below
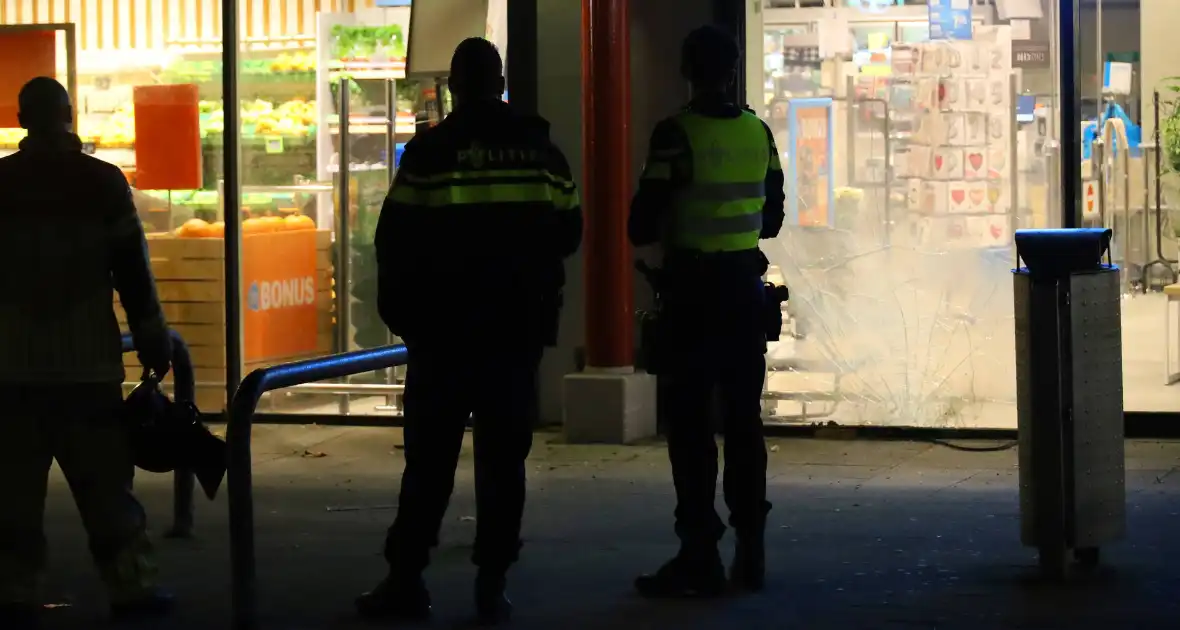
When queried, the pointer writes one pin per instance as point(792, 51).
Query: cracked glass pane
point(905, 182)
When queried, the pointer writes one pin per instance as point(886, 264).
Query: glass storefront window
point(311, 285)
point(903, 193)
point(146, 66)
point(309, 216)
point(155, 65)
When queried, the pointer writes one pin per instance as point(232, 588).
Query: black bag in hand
point(166, 435)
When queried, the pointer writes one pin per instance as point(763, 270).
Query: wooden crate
point(190, 280)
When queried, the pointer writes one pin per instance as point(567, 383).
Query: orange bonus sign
point(279, 291)
point(24, 55)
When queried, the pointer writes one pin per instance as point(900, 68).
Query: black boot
point(19, 617)
point(492, 606)
point(692, 573)
point(748, 571)
point(155, 602)
point(396, 598)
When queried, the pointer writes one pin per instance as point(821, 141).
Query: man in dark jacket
point(76, 240)
point(711, 189)
point(470, 250)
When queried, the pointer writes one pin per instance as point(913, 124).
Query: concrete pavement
point(864, 535)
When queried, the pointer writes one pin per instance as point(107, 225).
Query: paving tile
point(863, 536)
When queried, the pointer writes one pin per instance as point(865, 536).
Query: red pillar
point(606, 183)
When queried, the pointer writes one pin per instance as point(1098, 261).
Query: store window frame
point(522, 80)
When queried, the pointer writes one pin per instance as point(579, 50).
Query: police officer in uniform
point(470, 250)
point(711, 188)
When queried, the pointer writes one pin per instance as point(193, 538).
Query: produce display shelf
point(210, 138)
point(209, 197)
point(217, 139)
point(368, 75)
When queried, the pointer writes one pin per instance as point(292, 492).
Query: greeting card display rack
point(958, 164)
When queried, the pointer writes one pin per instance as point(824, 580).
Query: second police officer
point(470, 251)
point(712, 187)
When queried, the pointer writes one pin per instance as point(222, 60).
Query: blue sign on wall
point(950, 19)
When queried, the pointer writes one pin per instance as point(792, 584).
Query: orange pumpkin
point(253, 226)
point(193, 228)
point(299, 222)
point(271, 224)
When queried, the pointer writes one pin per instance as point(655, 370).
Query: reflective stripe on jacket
point(514, 186)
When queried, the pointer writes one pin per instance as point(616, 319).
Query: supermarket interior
point(917, 137)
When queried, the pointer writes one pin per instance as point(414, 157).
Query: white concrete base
point(610, 408)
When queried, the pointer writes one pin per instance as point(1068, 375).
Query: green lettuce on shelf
point(362, 43)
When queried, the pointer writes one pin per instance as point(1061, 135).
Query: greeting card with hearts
point(997, 162)
point(948, 163)
point(956, 197)
point(992, 230)
point(974, 163)
point(999, 197)
point(950, 93)
point(977, 196)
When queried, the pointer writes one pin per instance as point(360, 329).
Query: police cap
point(709, 55)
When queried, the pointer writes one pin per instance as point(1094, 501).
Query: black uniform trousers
point(716, 353)
point(446, 386)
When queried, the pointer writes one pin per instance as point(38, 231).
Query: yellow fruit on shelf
point(217, 230)
point(12, 137)
point(282, 63)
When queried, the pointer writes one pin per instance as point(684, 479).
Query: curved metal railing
point(238, 432)
point(184, 389)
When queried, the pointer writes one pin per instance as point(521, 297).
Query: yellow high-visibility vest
point(720, 209)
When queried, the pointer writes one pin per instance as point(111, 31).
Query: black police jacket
point(473, 234)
